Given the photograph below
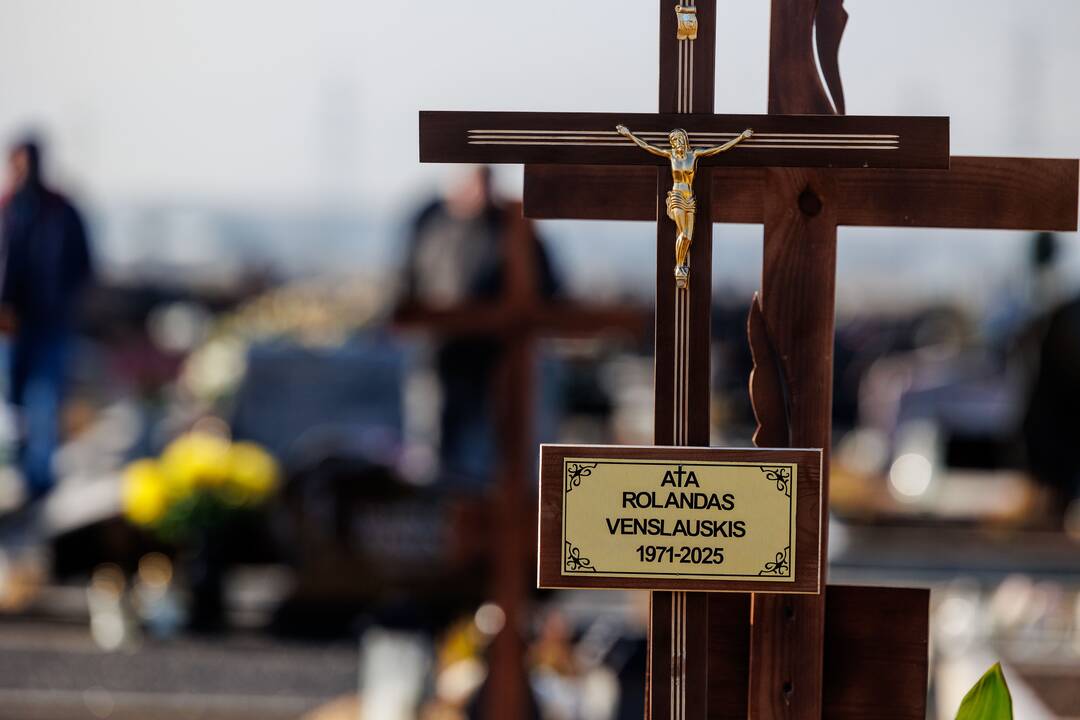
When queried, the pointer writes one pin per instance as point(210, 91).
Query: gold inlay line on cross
point(764, 141)
point(664, 134)
point(686, 29)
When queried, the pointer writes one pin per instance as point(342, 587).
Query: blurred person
point(47, 265)
point(1051, 424)
point(1046, 350)
point(455, 256)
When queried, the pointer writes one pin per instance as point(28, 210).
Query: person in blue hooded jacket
point(47, 266)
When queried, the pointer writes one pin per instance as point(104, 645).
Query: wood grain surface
point(797, 303)
point(975, 192)
point(876, 654)
point(923, 141)
point(671, 678)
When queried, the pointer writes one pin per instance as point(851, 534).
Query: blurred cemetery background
point(275, 500)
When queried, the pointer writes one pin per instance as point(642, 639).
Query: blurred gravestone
point(363, 540)
point(292, 397)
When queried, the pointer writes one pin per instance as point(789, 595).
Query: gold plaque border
point(810, 517)
point(574, 564)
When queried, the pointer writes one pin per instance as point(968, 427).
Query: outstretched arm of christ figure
point(622, 130)
point(716, 150)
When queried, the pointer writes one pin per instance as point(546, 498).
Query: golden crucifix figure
point(681, 203)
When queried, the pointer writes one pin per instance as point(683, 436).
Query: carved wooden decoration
point(829, 24)
point(768, 386)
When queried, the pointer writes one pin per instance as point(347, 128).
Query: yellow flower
point(144, 493)
point(195, 460)
point(253, 473)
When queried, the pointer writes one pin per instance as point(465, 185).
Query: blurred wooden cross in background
point(516, 321)
point(866, 656)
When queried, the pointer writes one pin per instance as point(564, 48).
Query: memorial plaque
point(680, 518)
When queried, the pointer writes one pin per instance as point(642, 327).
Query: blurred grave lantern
point(155, 598)
point(112, 621)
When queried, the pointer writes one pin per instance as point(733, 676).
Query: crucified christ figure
point(681, 203)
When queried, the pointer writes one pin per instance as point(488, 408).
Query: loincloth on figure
point(678, 201)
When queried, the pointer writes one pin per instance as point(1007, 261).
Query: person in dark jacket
point(47, 265)
point(455, 257)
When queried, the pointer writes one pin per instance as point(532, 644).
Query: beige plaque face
point(660, 519)
point(680, 518)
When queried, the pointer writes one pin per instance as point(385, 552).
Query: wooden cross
point(679, 631)
point(520, 316)
point(866, 657)
point(679, 680)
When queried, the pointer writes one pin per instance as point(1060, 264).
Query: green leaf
point(989, 699)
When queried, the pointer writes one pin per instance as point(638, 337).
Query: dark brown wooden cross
point(680, 683)
point(679, 680)
point(517, 319)
point(866, 657)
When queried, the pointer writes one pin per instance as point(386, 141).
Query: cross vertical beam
point(516, 319)
point(787, 635)
point(678, 622)
point(687, 67)
point(508, 688)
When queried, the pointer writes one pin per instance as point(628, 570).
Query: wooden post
point(787, 637)
point(679, 621)
point(798, 279)
point(513, 385)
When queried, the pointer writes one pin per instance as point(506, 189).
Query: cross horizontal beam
point(552, 319)
point(778, 141)
point(975, 192)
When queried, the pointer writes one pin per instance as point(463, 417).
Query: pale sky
point(265, 101)
point(309, 105)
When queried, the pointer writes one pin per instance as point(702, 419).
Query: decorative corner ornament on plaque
point(681, 203)
point(687, 27)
